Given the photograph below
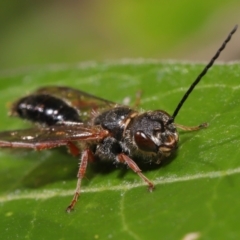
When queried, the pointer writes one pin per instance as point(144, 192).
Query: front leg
point(110, 149)
point(194, 128)
point(123, 158)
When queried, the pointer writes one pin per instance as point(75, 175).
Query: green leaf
point(196, 191)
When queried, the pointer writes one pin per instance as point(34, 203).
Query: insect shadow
point(55, 166)
point(65, 169)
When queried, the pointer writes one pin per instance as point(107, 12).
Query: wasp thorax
point(151, 132)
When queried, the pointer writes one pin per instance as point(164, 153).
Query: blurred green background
point(57, 31)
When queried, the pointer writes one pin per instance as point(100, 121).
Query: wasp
point(93, 128)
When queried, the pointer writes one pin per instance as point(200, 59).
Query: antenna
point(209, 65)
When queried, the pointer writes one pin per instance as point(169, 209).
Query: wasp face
point(152, 132)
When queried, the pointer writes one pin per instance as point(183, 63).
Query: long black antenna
point(171, 120)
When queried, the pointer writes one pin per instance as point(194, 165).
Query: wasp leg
point(73, 149)
point(131, 164)
point(86, 155)
point(195, 128)
point(138, 99)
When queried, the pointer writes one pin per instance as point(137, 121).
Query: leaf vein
point(46, 194)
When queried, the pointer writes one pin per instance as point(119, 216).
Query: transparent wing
point(43, 138)
point(82, 101)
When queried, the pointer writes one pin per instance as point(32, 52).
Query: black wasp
point(94, 128)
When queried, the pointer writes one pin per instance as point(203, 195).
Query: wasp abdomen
point(45, 109)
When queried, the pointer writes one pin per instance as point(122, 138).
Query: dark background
point(58, 31)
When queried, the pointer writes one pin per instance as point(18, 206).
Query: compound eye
point(144, 142)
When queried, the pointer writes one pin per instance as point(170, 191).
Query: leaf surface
point(197, 189)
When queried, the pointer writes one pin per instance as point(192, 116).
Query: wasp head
point(154, 132)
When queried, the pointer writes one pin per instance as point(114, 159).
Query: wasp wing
point(85, 103)
point(45, 138)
